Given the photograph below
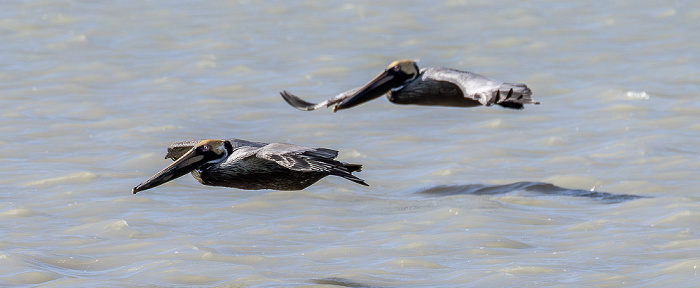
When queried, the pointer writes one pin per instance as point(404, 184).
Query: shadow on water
point(537, 187)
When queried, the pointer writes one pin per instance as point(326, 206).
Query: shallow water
point(596, 187)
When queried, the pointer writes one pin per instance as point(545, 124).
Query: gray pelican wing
point(295, 157)
point(177, 149)
point(473, 86)
point(486, 90)
point(304, 105)
point(307, 159)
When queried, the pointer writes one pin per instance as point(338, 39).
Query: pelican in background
point(251, 165)
point(406, 84)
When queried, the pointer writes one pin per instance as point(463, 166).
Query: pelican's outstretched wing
point(307, 159)
point(485, 90)
point(303, 105)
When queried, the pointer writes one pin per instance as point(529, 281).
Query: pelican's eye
point(205, 148)
point(397, 68)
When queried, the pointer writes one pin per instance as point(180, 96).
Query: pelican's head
point(206, 152)
point(407, 67)
point(395, 76)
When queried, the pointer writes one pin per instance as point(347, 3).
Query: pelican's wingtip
point(297, 102)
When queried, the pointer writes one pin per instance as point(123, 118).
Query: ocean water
point(597, 186)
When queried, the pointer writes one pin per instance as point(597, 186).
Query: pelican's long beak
point(395, 76)
point(379, 86)
point(188, 162)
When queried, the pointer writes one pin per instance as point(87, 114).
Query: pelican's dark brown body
point(250, 165)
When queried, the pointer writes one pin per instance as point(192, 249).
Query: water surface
point(596, 187)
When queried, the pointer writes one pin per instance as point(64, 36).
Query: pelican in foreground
point(406, 84)
point(251, 165)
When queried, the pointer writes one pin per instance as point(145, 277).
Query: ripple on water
point(531, 270)
point(687, 267)
point(414, 263)
point(72, 178)
point(345, 251)
point(684, 218)
point(19, 212)
point(249, 260)
point(105, 229)
point(680, 244)
point(16, 270)
point(34, 277)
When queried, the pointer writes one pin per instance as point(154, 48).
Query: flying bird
point(404, 83)
point(251, 165)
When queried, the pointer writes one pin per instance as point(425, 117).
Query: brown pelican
point(251, 165)
point(431, 86)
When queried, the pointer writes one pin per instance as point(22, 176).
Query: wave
point(537, 187)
